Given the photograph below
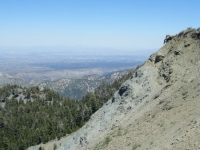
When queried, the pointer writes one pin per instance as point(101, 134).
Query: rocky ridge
point(158, 108)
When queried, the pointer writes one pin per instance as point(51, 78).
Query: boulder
point(158, 58)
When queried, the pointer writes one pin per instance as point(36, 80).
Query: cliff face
point(158, 108)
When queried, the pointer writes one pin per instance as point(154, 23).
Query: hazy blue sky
point(123, 24)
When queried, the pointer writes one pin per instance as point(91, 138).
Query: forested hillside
point(31, 116)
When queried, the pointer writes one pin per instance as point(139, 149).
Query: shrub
point(135, 146)
point(184, 93)
point(54, 146)
point(103, 143)
point(107, 140)
point(189, 28)
point(119, 133)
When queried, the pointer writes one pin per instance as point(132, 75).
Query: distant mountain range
point(69, 87)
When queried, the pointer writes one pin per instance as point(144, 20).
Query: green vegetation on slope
point(46, 115)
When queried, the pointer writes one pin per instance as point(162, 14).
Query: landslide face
point(158, 108)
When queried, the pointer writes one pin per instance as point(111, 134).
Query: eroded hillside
point(158, 108)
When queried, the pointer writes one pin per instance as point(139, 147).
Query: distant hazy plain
point(51, 64)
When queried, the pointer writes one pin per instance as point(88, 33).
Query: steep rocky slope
point(158, 108)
